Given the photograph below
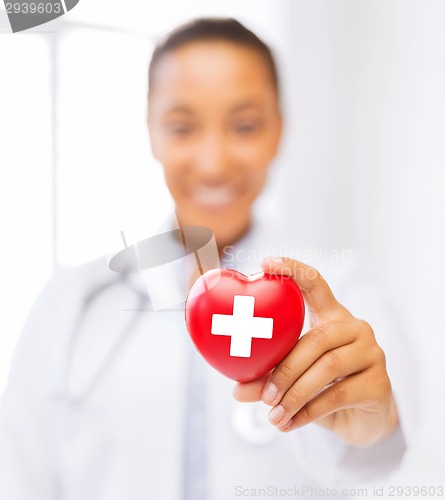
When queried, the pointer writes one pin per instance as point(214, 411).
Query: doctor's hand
point(334, 376)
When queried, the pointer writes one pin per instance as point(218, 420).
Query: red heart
point(268, 308)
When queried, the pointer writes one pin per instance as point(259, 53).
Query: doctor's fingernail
point(270, 393)
point(273, 260)
point(276, 414)
point(287, 426)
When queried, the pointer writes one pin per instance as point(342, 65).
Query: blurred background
point(362, 165)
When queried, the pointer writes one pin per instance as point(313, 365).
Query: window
point(107, 179)
point(26, 163)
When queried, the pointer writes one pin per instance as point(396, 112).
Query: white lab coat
point(119, 432)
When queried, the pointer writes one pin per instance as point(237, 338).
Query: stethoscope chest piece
point(250, 423)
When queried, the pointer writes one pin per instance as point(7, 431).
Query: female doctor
point(107, 400)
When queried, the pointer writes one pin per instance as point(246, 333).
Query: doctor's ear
point(278, 132)
point(152, 141)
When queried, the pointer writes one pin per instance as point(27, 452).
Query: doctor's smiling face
point(215, 126)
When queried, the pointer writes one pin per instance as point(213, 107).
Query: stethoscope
point(248, 421)
point(87, 306)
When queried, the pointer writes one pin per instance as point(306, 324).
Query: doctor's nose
point(212, 161)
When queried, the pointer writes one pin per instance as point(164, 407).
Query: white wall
point(367, 155)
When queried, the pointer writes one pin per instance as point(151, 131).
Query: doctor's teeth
point(214, 196)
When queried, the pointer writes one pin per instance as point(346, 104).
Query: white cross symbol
point(242, 326)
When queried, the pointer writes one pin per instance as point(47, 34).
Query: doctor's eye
point(247, 127)
point(180, 129)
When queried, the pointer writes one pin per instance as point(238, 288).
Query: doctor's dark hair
point(212, 29)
